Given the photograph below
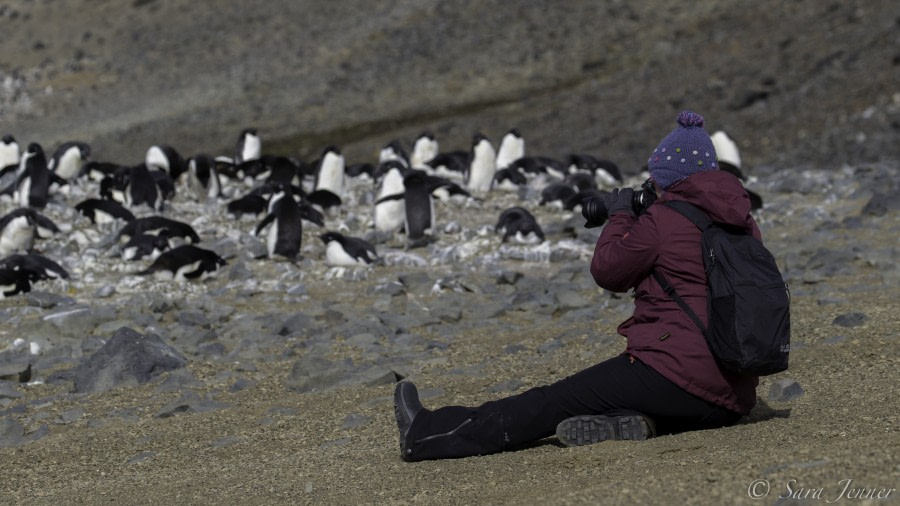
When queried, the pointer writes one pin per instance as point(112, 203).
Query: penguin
point(453, 165)
point(9, 154)
point(425, 148)
point(520, 225)
point(13, 283)
point(360, 171)
point(186, 262)
point(330, 171)
point(36, 267)
point(249, 146)
point(158, 225)
point(581, 180)
point(729, 158)
point(142, 245)
point(418, 209)
point(33, 185)
point(393, 151)
point(141, 189)
point(606, 172)
point(97, 171)
point(102, 212)
point(346, 251)
point(165, 185)
point(203, 178)
point(283, 171)
point(44, 227)
point(114, 185)
point(509, 179)
point(68, 159)
point(286, 226)
point(248, 204)
point(324, 199)
point(482, 165)
point(389, 211)
point(557, 194)
point(534, 166)
point(512, 147)
point(165, 158)
point(17, 233)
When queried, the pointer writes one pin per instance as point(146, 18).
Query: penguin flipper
point(265, 222)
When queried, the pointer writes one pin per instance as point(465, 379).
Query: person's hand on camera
point(619, 201)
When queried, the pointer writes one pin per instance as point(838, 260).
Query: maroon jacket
point(627, 250)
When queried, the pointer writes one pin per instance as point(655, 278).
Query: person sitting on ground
point(666, 380)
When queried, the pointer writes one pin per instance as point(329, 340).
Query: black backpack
point(748, 301)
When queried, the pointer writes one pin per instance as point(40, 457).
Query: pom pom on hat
point(685, 151)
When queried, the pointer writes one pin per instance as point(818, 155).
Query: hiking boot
point(406, 407)
point(590, 429)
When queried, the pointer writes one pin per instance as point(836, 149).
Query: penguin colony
point(129, 211)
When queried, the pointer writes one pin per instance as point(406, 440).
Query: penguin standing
point(512, 147)
point(286, 226)
point(425, 148)
point(330, 173)
point(346, 251)
point(389, 213)
point(68, 158)
point(729, 158)
point(418, 208)
point(393, 151)
point(33, 186)
point(9, 153)
point(249, 146)
point(186, 262)
point(141, 189)
point(482, 166)
point(203, 178)
point(17, 232)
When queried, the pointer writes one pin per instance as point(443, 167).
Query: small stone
point(850, 320)
point(785, 390)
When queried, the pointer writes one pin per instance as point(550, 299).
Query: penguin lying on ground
point(186, 262)
point(158, 225)
point(36, 267)
point(102, 211)
point(520, 225)
point(346, 251)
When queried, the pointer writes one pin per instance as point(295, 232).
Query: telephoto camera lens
point(594, 211)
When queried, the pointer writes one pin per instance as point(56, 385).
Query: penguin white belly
point(390, 215)
point(17, 236)
point(185, 270)
point(69, 164)
point(23, 191)
point(272, 238)
point(103, 218)
point(337, 257)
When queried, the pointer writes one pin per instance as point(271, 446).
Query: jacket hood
point(719, 193)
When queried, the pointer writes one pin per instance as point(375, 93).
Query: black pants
point(615, 387)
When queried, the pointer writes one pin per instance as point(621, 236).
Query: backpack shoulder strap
point(691, 212)
point(670, 291)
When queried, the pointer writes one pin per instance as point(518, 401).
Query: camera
point(595, 212)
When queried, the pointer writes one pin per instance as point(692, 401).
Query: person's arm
point(625, 252)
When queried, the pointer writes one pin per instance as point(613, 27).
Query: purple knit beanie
point(685, 151)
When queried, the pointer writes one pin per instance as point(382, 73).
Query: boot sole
point(586, 430)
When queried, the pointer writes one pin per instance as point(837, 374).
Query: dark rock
point(880, 204)
point(850, 320)
point(785, 390)
point(512, 349)
point(193, 318)
point(509, 277)
point(128, 358)
point(11, 432)
point(8, 391)
point(297, 324)
point(317, 373)
point(47, 300)
point(240, 384)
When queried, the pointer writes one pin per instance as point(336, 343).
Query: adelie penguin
point(418, 209)
point(729, 158)
point(203, 178)
point(34, 266)
point(13, 283)
point(141, 189)
point(68, 158)
point(389, 212)
point(249, 146)
point(425, 148)
point(186, 262)
point(330, 172)
point(518, 224)
point(285, 226)
point(144, 245)
point(606, 172)
point(167, 159)
point(343, 251)
point(9, 154)
point(482, 165)
point(512, 147)
point(103, 212)
point(20, 227)
point(32, 189)
point(158, 225)
point(393, 151)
